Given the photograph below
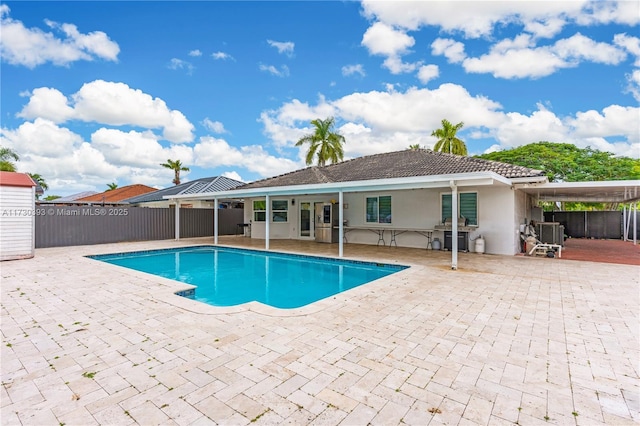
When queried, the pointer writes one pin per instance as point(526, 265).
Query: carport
point(625, 192)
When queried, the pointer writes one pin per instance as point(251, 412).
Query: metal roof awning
point(618, 191)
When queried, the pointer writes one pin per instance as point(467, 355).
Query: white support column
point(340, 224)
point(625, 226)
point(267, 221)
point(635, 221)
point(454, 225)
point(177, 232)
point(215, 221)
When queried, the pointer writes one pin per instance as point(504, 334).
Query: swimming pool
point(226, 276)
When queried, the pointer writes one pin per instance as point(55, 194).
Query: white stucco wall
point(17, 222)
point(497, 217)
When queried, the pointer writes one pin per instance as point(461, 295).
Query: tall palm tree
point(39, 180)
point(177, 167)
point(447, 139)
point(112, 186)
point(324, 143)
point(7, 157)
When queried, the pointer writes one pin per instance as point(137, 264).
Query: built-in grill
point(463, 237)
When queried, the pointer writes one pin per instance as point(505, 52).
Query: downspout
point(340, 224)
point(454, 225)
point(267, 220)
point(215, 221)
point(177, 231)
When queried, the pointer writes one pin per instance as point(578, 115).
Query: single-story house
point(198, 186)
point(405, 198)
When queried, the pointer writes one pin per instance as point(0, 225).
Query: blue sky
point(101, 92)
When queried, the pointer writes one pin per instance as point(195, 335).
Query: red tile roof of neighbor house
point(118, 194)
point(16, 179)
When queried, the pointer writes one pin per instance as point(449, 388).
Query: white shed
point(17, 216)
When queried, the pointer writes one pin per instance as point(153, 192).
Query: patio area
point(500, 341)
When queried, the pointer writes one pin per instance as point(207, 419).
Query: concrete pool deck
point(500, 341)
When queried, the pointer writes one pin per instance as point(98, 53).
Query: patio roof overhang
point(619, 191)
point(418, 182)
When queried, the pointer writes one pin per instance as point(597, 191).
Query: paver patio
point(502, 340)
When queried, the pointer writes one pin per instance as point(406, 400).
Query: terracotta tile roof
point(118, 194)
point(399, 164)
point(16, 179)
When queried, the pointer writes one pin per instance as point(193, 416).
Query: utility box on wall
point(17, 216)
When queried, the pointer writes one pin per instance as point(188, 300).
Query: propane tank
point(480, 245)
point(435, 245)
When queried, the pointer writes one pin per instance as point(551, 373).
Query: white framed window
point(279, 210)
point(467, 206)
point(378, 209)
point(259, 210)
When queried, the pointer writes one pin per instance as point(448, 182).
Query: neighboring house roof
point(399, 164)
point(118, 194)
point(209, 184)
point(74, 197)
point(16, 179)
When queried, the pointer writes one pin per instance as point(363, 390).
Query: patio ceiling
point(620, 191)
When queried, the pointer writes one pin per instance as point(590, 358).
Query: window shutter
point(446, 206)
point(469, 207)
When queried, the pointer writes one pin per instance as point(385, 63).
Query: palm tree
point(414, 147)
point(447, 139)
point(177, 167)
point(7, 157)
point(39, 180)
point(324, 143)
point(112, 186)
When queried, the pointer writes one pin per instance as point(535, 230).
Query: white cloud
point(282, 72)
point(213, 126)
point(49, 104)
point(518, 58)
point(451, 49)
point(613, 120)
point(633, 84)
point(375, 122)
point(382, 39)
point(233, 175)
point(579, 47)
point(353, 69)
point(179, 64)
point(630, 44)
point(195, 53)
point(476, 19)
point(118, 104)
point(31, 47)
point(221, 56)
point(285, 47)
point(42, 137)
point(211, 152)
point(427, 73)
point(109, 103)
point(136, 149)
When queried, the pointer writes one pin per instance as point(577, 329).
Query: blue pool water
point(228, 276)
